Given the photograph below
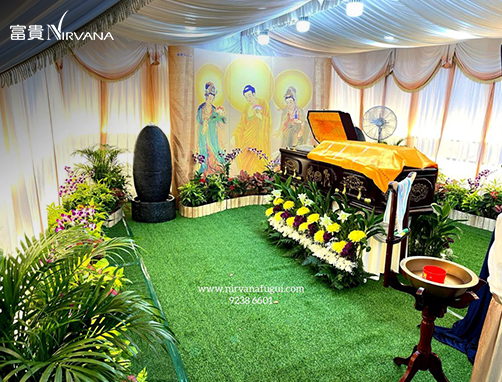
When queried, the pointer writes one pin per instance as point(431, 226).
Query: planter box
point(208, 209)
point(115, 217)
point(241, 201)
point(474, 220)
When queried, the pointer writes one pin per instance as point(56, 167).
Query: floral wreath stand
point(431, 298)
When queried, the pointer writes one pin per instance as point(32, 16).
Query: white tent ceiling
point(411, 22)
point(231, 24)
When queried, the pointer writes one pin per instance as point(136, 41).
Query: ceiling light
point(303, 24)
point(389, 38)
point(263, 38)
point(354, 8)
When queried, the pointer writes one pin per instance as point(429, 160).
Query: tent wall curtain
point(42, 120)
point(445, 98)
point(42, 117)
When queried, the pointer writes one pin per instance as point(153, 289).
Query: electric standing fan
point(379, 123)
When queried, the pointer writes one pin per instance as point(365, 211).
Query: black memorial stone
point(152, 173)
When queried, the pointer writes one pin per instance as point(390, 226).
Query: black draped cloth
point(464, 335)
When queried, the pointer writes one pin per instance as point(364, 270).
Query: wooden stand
point(422, 357)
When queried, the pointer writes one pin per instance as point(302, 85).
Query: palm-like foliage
point(432, 234)
point(56, 327)
point(103, 166)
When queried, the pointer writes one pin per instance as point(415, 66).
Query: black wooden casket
point(357, 187)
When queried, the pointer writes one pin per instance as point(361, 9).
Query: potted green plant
point(103, 167)
point(432, 234)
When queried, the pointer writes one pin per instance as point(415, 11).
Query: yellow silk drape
point(380, 162)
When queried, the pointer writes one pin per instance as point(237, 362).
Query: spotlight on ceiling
point(263, 38)
point(303, 24)
point(390, 38)
point(354, 8)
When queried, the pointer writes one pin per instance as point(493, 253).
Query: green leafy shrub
point(192, 194)
point(97, 195)
point(432, 234)
point(474, 196)
point(206, 188)
point(57, 323)
point(103, 167)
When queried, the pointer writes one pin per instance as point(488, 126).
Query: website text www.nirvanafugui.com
point(240, 294)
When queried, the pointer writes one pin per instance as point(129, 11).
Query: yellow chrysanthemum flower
point(335, 227)
point(270, 211)
point(319, 236)
point(278, 201)
point(356, 236)
point(302, 211)
point(288, 205)
point(313, 218)
point(277, 216)
point(290, 221)
point(338, 246)
point(303, 227)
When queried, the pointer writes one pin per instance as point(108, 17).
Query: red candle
point(434, 273)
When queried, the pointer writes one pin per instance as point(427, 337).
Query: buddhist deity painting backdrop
point(254, 104)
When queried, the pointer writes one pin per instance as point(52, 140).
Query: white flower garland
point(317, 249)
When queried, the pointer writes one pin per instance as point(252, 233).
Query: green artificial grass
point(319, 335)
point(133, 273)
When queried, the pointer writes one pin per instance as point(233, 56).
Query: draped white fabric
point(126, 113)
point(480, 58)
point(399, 102)
point(363, 68)
point(413, 67)
point(112, 59)
point(460, 144)
point(493, 149)
point(30, 180)
point(430, 110)
point(82, 107)
point(199, 21)
point(345, 98)
point(42, 120)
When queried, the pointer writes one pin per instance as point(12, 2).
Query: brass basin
point(458, 278)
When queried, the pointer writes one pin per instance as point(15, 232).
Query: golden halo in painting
point(299, 81)
point(209, 73)
point(248, 71)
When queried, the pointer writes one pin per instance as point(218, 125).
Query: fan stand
point(422, 357)
point(376, 118)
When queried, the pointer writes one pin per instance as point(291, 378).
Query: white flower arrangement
point(326, 221)
point(343, 216)
point(276, 193)
point(304, 200)
point(318, 250)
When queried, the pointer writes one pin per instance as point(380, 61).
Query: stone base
point(154, 212)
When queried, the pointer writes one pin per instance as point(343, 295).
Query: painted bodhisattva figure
point(291, 129)
point(209, 119)
point(253, 131)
